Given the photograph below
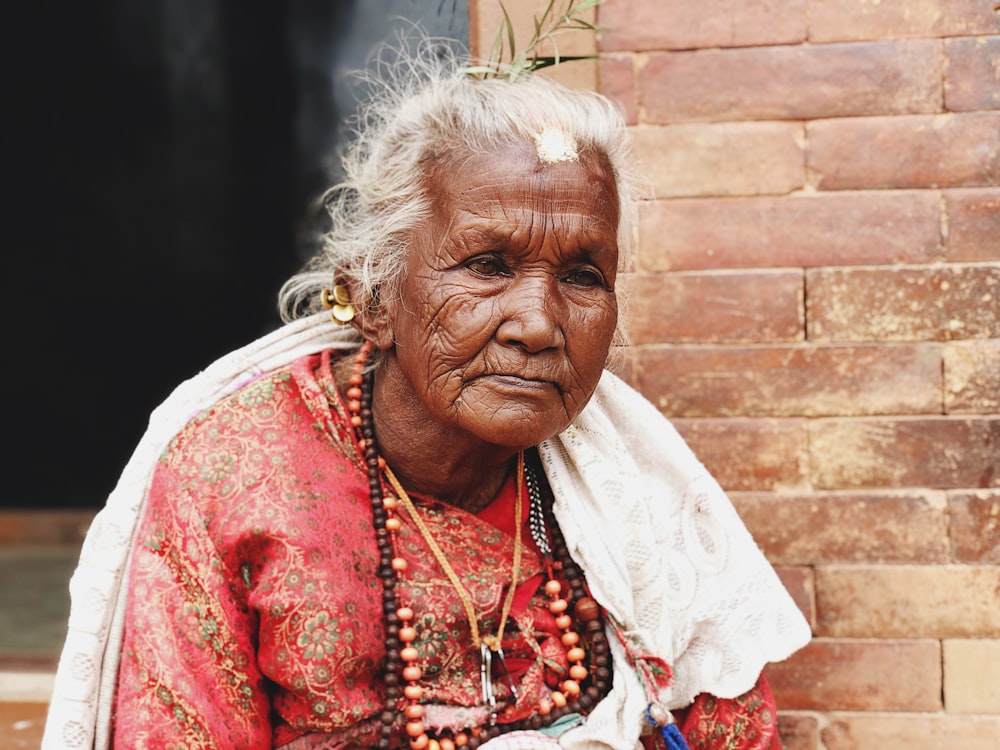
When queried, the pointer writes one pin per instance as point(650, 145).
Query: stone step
point(24, 698)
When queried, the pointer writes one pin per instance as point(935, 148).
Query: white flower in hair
point(554, 145)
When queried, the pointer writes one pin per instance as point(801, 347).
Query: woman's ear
point(374, 321)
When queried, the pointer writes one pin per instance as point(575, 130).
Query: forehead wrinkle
point(541, 183)
point(522, 221)
point(478, 214)
point(444, 242)
point(587, 240)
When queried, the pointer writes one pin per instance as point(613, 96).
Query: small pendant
point(486, 678)
point(510, 680)
point(489, 649)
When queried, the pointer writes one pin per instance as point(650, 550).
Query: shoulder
point(283, 422)
point(268, 401)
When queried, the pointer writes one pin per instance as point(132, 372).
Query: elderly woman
point(435, 520)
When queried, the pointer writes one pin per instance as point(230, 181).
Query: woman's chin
point(525, 421)
point(518, 432)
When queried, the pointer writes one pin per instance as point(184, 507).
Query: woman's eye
point(487, 265)
point(585, 277)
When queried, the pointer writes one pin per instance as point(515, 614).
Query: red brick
point(616, 80)
point(971, 677)
point(800, 231)
point(972, 79)
point(734, 158)
point(731, 306)
point(790, 381)
point(799, 583)
point(845, 20)
point(749, 454)
point(910, 731)
point(953, 150)
point(972, 377)
point(820, 528)
point(975, 526)
point(908, 601)
point(686, 24)
point(973, 224)
point(798, 731)
point(581, 75)
point(942, 452)
point(889, 303)
point(870, 675)
point(792, 82)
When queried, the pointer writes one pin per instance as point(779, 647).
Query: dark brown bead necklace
point(402, 712)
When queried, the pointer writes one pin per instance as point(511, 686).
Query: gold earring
point(338, 302)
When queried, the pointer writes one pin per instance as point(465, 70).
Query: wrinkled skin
point(504, 319)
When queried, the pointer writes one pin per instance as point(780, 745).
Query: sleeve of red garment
point(748, 722)
point(188, 675)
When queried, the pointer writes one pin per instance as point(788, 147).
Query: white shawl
point(662, 548)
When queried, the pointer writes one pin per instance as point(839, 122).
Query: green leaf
point(510, 30)
point(546, 13)
point(474, 70)
point(546, 62)
point(546, 27)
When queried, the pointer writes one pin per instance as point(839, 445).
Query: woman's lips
point(518, 382)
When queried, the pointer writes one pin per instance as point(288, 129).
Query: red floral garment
point(748, 722)
point(255, 611)
point(254, 616)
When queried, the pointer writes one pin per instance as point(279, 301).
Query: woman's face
point(507, 308)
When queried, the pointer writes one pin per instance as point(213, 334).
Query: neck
point(432, 458)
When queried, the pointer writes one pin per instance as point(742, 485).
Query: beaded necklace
point(488, 645)
point(491, 642)
point(575, 695)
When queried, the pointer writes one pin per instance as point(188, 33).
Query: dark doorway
point(159, 157)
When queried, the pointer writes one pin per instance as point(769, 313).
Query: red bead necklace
point(588, 680)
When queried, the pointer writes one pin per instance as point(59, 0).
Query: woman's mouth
point(518, 382)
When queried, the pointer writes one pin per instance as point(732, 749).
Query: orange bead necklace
point(576, 694)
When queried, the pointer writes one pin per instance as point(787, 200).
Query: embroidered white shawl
point(662, 548)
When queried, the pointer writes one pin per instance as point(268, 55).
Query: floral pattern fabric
point(748, 722)
point(255, 614)
point(255, 610)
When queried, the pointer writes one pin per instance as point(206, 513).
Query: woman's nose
point(533, 315)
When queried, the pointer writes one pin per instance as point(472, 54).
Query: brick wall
point(815, 303)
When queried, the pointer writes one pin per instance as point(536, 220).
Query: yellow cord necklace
point(488, 645)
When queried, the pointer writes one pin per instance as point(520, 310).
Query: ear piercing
point(338, 302)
